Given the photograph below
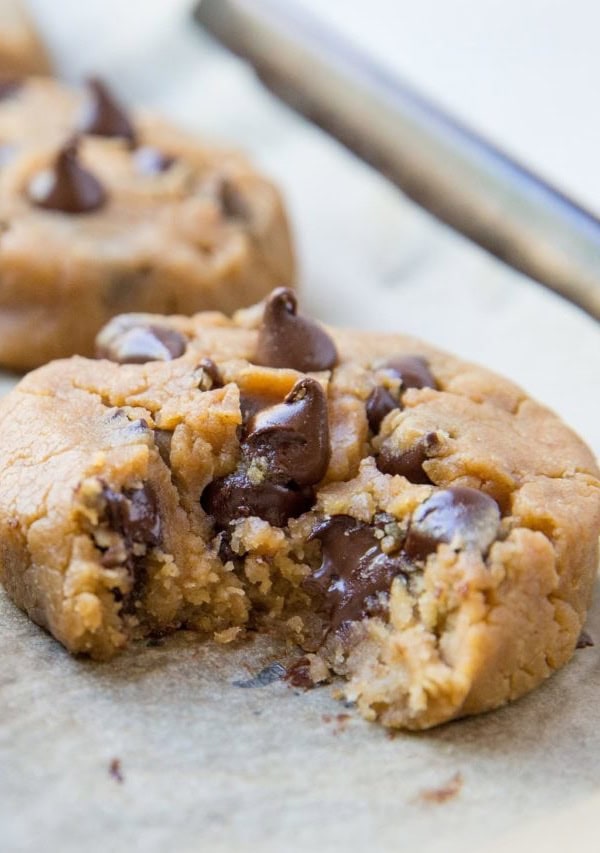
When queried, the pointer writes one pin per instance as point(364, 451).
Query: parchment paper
point(160, 750)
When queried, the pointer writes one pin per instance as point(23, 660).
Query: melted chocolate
point(354, 572)
point(464, 517)
point(287, 339)
point(68, 188)
point(134, 514)
point(236, 496)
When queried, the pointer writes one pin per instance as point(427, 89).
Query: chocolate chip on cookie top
point(461, 516)
point(293, 436)
point(284, 453)
point(131, 340)
point(354, 571)
point(413, 371)
point(103, 115)
point(67, 187)
point(409, 462)
point(287, 339)
point(379, 404)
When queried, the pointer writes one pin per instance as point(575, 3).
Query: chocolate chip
point(131, 340)
point(103, 115)
point(233, 204)
point(9, 85)
point(235, 496)
point(152, 161)
point(354, 572)
point(250, 404)
point(211, 377)
point(286, 339)
point(293, 436)
point(413, 371)
point(409, 463)
point(584, 641)
point(463, 517)
point(67, 187)
point(134, 514)
point(380, 404)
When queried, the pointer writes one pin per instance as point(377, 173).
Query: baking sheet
point(160, 750)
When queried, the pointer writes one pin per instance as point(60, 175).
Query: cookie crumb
point(115, 770)
point(444, 793)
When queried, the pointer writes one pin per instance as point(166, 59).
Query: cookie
point(415, 524)
point(21, 51)
point(104, 212)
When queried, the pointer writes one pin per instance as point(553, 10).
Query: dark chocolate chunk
point(584, 641)
point(409, 463)
point(236, 496)
point(293, 436)
point(233, 204)
point(211, 376)
point(103, 115)
point(131, 340)
point(354, 572)
point(287, 339)
point(9, 85)
point(464, 517)
point(250, 404)
point(134, 514)
point(273, 672)
point(67, 187)
point(380, 403)
point(152, 161)
point(413, 371)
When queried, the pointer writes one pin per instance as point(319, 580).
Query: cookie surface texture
point(106, 210)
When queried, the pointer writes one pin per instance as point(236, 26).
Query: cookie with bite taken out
point(416, 524)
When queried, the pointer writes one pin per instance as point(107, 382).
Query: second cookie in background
point(105, 210)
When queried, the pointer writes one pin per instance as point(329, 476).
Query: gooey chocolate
point(287, 339)
point(134, 515)
point(132, 340)
point(103, 115)
point(353, 571)
point(285, 452)
point(67, 187)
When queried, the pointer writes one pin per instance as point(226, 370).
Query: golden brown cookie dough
point(21, 51)
point(414, 523)
point(135, 215)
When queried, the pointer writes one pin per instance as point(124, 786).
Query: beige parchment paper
point(160, 750)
